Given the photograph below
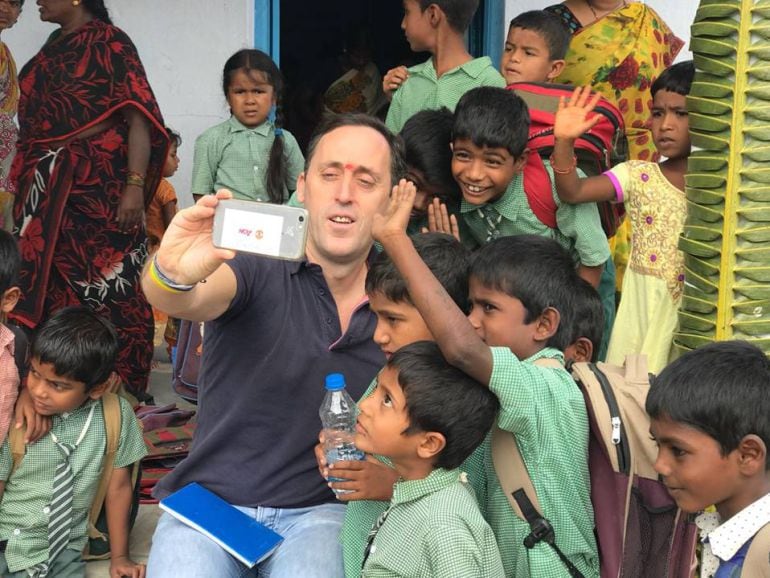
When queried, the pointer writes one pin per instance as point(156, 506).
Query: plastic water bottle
point(338, 415)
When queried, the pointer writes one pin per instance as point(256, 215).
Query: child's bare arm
point(118, 504)
point(591, 274)
point(454, 334)
point(572, 121)
point(168, 211)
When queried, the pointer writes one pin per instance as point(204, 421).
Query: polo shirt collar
point(504, 206)
point(297, 266)
point(473, 68)
point(236, 126)
point(412, 490)
point(731, 536)
point(85, 408)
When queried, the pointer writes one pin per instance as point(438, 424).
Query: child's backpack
point(757, 561)
point(167, 447)
point(186, 360)
point(639, 529)
point(98, 544)
point(599, 149)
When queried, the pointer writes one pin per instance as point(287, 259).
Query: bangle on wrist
point(164, 282)
point(134, 178)
point(566, 171)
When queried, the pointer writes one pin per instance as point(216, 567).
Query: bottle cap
point(335, 382)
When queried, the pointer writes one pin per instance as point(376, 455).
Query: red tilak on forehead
point(350, 167)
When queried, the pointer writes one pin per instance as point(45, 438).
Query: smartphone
point(262, 228)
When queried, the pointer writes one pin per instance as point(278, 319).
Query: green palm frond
point(726, 239)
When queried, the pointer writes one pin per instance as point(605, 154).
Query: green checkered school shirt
point(544, 408)
point(235, 157)
point(24, 505)
point(579, 228)
point(423, 90)
point(434, 530)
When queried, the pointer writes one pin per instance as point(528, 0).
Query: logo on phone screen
point(253, 232)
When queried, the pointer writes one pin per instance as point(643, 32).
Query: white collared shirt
point(722, 542)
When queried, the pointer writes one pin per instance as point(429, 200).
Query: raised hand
point(440, 221)
point(394, 78)
point(573, 117)
point(396, 218)
point(187, 254)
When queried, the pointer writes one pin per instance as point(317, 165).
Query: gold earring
point(76, 2)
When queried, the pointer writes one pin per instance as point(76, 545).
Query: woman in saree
point(618, 48)
point(91, 148)
point(9, 99)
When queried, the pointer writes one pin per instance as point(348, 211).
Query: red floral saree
point(65, 212)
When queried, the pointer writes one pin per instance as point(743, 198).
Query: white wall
point(183, 45)
point(678, 14)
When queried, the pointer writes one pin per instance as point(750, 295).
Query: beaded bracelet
point(164, 282)
point(567, 171)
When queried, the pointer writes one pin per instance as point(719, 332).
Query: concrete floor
point(141, 535)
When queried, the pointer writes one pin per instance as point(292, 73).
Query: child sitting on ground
point(10, 374)
point(488, 153)
point(518, 288)
point(535, 48)
point(43, 526)
point(437, 27)
point(427, 417)
point(709, 416)
point(370, 483)
point(654, 197)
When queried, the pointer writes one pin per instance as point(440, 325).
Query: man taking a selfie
point(275, 330)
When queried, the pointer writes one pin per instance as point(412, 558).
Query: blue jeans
point(310, 549)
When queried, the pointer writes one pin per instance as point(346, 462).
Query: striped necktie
point(60, 514)
point(372, 533)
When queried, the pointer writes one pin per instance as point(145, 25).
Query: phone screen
point(252, 232)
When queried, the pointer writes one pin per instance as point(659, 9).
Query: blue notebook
point(243, 537)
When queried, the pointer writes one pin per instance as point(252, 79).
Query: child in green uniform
point(518, 288)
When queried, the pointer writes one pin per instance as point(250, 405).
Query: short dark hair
point(586, 319)
point(535, 270)
point(441, 398)
point(676, 78)
point(492, 117)
point(459, 13)
point(174, 138)
point(10, 261)
point(427, 137)
point(721, 389)
point(334, 121)
point(444, 255)
point(549, 27)
point(79, 343)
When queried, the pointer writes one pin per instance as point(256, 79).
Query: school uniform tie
point(60, 515)
point(372, 533)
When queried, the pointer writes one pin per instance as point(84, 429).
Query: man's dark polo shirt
point(262, 382)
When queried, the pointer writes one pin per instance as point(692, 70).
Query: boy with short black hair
point(438, 27)
point(535, 48)
point(489, 152)
point(587, 322)
point(518, 288)
point(710, 418)
point(427, 417)
point(399, 323)
point(43, 526)
point(10, 373)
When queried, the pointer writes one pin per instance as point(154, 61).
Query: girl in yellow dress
point(656, 205)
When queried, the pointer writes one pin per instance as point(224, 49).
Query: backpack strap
point(537, 188)
point(757, 561)
point(517, 486)
point(112, 425)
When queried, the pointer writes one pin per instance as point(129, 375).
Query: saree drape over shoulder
point(69, 188)
point(620, 55)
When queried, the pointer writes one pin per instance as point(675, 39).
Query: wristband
point(566, 171)
point(162, 281)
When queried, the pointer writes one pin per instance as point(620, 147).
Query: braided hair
point(251, 60)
